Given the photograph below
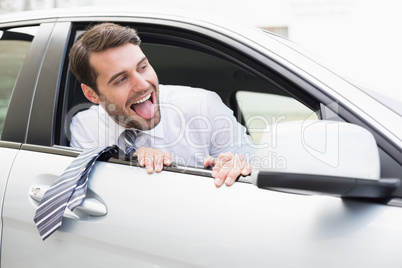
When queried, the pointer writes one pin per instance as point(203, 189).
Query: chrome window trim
point(10, 145)
point(74, 152)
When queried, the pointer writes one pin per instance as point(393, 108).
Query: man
point(166, 120)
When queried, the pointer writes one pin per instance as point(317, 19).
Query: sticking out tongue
point(145, 110)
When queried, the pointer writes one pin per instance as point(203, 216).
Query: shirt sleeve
point(83, 129)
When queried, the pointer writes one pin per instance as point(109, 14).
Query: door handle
point(89, 206)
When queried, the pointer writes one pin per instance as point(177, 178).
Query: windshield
point(391, 102)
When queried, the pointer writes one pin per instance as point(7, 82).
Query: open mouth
point(143, 99)
point(144, 107)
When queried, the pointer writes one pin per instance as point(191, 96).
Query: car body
point(178, 218)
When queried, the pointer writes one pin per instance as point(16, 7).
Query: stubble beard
point(118, 114)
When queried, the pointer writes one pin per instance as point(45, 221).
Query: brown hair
point(97, 39)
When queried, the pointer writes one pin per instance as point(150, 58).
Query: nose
point(140, 83)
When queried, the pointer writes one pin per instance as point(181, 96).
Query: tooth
point(143, 99)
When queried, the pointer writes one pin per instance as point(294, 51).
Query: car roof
point(186, 15)
point(233, 28)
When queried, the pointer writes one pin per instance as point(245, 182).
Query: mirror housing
point(320, 156)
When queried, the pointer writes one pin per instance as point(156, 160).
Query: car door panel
point(8, 151)
point(174, 219)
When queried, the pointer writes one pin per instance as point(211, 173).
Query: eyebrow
point(122, 72)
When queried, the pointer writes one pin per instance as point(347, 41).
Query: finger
point(149, 161)
point(218, 182)
point(247, 169)
point(209, 161)
point(238, 164)
point(167, 159)
point(230, 174)
point(140, 154)
point(158, 160)
point(222, 167)
point(220, 162)
point(223, 159)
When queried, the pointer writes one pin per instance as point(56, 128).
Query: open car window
point(193, 60)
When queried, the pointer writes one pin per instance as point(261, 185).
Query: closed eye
point(143, 66)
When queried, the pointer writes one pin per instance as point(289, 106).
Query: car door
point(15, 43)
point(177, 218)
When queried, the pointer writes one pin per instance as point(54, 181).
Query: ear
point(90, 94)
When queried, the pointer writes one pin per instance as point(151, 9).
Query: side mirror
point(319, 156)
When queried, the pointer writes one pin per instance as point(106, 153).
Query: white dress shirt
point(194, 123)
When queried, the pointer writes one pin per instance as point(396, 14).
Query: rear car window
point(14, 45)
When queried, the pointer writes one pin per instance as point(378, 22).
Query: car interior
point(191, 60)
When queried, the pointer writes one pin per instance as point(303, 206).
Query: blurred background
point(359, 39)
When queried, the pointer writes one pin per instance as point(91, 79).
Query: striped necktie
point(129, 137)
point(68, 190)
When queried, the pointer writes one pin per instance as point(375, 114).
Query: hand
point(152, 159)
point(227, 167)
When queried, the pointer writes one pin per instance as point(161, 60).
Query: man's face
point(128, 86)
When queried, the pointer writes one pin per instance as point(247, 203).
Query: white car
point(325, 188)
